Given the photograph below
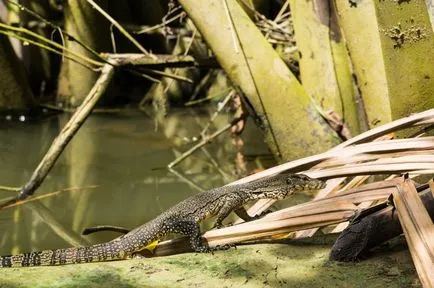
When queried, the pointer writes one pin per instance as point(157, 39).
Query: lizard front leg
point(191, 229)
point(230, 205)
point(242, 213)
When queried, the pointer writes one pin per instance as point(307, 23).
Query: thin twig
point(50, 194)
point(10, 189)
point(162, 24)
point(161, 61)
point(216, 165)
point(170, 75)
point(48, 48)
point(56, 27)
point(220, 107)
point(204, 84)
point(120, 28)
point(198, 101)
point(96, 110)
point(111, 228)
point(185, 54)
point(186, 180)
point(204, 141)
point(55, 46)
point(281, 12)
point(144, 75)
point(112, 38)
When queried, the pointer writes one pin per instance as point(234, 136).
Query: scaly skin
point(182, 218)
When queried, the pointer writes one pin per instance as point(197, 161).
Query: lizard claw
point(217, 226)
point(215, 248)
point(220, 225)
point(263, 213)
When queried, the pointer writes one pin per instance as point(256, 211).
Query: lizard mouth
point(317, 184)
point(313, 184)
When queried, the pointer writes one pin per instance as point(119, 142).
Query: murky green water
point(124, 156)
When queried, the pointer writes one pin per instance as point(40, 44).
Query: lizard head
point(282, 185)
point(300, 182)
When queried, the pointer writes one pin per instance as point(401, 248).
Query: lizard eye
point(313, 185)
point(305, 177)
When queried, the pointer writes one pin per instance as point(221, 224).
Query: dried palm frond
point(343, 198)
point(418, 230)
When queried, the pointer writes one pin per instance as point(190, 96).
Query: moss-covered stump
point(274, 265)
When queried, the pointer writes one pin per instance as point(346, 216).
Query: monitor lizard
point(183, 218)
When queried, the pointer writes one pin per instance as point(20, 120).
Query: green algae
point(261, 265)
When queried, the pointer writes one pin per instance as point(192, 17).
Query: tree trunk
point(293, 127)
point(15, 93)
point(324, 64)
point(85, 23)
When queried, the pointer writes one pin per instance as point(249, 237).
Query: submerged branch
point(63, 232)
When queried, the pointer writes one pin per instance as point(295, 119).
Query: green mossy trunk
point(391, 47)
point(15, 93)
point(407, 42)
point(266, 265)
point(85, 23)
point(324, 65)
point(42, 66)
point(360, 27)
point(293, 127)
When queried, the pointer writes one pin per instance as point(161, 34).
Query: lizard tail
point(100, 252)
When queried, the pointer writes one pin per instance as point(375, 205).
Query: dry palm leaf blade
point(418, 230)
point(379, 157)
point(419, 119)
point(340, 207)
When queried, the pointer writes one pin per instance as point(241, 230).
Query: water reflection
point(125, 157)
